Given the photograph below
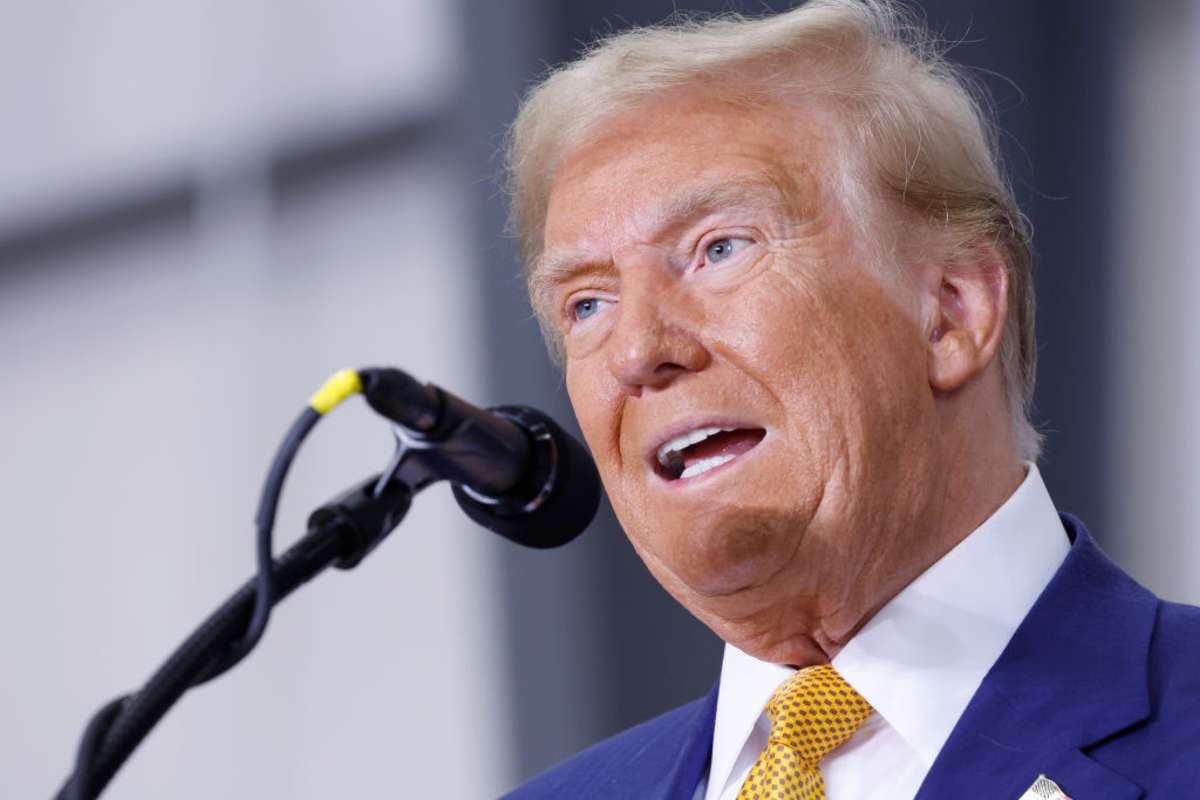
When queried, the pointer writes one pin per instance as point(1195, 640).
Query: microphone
point(514, 470)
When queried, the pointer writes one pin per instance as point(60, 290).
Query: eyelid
point(709, 239)
point(567, 312)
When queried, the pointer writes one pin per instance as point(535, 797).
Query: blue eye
point(585, 308)
point(722, 249)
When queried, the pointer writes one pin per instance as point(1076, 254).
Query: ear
point(968, 322)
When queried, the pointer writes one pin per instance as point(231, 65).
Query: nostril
point(654, 353)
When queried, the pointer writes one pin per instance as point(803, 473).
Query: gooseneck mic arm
point(513, 470)
point(340, 533)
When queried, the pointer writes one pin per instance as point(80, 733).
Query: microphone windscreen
point(559, 496)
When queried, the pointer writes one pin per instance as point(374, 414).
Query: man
point(791, 293)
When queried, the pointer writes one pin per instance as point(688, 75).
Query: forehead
point(679, 154)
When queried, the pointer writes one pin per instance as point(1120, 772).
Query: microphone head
point(557, 498)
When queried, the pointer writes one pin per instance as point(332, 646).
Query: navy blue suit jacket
point(1099, 689)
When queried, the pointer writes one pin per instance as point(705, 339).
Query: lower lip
point(683, 483)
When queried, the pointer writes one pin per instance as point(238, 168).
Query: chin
point(724, 552)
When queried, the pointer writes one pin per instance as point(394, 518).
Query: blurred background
point(205, 208)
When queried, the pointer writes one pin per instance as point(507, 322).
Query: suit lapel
point(1073, 674)
point(694, 752)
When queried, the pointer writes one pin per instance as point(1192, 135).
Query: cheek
point(794, 347)
point(885, 355)
point(841, 357)
point(597, 408)
point(835, 327)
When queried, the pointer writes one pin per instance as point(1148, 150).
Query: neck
point(975, 475)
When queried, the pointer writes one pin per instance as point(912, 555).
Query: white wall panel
point(146, 384)
point(1156, 333)
point(103, 95)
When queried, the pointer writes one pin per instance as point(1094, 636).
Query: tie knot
point(814, 712)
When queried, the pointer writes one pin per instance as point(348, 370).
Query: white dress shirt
point(918, 661)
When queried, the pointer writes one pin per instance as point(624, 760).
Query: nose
point(653, 343)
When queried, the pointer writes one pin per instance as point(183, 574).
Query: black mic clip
point(442, 437)
point(512, 469)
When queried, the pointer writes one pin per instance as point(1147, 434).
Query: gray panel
point(596, 644)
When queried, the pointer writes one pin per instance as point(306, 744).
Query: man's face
point(708, 287)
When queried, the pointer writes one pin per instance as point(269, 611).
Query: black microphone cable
point(120, 725)
point(340, 386)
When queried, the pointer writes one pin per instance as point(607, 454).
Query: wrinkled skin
point(886, 430)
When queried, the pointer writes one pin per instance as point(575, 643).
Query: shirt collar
point(919, 660)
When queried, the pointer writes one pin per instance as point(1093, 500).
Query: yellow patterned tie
point(812, 714)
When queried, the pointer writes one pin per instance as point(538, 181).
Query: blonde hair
point(913, 128)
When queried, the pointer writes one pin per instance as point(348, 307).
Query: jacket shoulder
point(632, 764)
point(1175, 660)
point(1162, 753)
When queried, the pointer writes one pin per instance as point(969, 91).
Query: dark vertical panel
point(561, 658)
point(1075, 130)
point(595, 644)
point(1051, 69)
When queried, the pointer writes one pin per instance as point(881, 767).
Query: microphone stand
point(340, 533)
point(450, 441)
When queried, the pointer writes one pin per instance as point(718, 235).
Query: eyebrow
point(565, 264)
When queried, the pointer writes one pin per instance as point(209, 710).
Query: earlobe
point(953, 361)
point(970, 315)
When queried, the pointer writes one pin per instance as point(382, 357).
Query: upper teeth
point(671, 450)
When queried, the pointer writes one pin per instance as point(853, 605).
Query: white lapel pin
point(1044, 789)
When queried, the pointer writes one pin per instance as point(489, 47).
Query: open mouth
point(702, 450)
